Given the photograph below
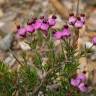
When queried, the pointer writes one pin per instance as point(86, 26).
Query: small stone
point(24, 46)
point(6, 42)
point(6, 27)
point(90, 45)
point(10, 60)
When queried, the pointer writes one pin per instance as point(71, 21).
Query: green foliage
point(6, 80)
point(13, 82)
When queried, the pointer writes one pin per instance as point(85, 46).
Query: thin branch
point(77, 9)
point(15, 57)
point(44, 79)
point(62, 9)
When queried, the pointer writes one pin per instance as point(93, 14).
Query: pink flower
point(63, 34)
point(58, 35)
point(38, 24)
point(66, 32)
point(94, 40)
point(29, 28)
point(72, 19)
point(81, 77)
point(82, 17)
point(83, 87)
point(75, 82)
point(52, 21)
point(44, 26)
point(21, 31)
point(78, 24)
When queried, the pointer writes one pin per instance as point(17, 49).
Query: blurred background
point(14, 12)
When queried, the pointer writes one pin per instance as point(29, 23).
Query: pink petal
point(29, 28)
point(21, 32)
point(83, 88)
point(94, 40)
point(51, 22)
point(58, 35)
point(38, 24)
point(82, 77)
point(79, 24)
point(44, 26)
point(72, 20)
point(75, 82)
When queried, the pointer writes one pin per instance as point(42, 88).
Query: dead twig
point(61, 9)
point(35, 91)
point(19, 62)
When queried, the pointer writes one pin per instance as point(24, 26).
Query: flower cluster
point(65, 33)
point(44, 24)
point(77, 21)
point(36, 24)
point(79, 82)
